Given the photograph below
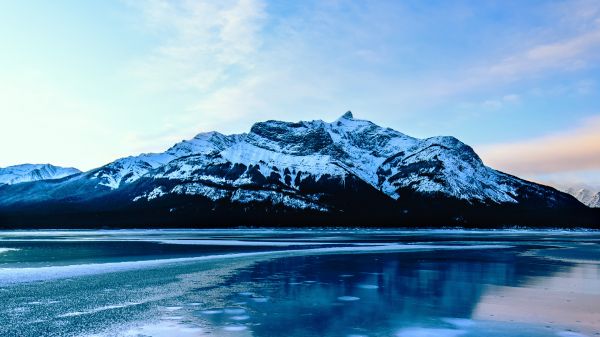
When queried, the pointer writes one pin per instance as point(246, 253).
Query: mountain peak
point(348, 115)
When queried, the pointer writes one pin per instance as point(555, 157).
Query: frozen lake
point(299, 283)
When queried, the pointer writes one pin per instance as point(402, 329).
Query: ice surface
point(443, 293)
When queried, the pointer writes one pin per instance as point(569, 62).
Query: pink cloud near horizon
point(575, 149)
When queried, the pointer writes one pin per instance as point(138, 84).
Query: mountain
point(33, 172)
point(346, 172)
point(586, 196)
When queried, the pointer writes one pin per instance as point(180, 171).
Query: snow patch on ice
point(23, 275)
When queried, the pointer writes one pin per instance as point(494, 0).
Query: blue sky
point(82, 83)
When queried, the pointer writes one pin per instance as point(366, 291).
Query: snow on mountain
point(33, 172)
point(281, 156)
point(129, 169)
point(586, 196)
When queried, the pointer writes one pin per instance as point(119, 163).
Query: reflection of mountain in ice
point(402, 290)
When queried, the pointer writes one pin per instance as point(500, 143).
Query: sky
point(85, 82)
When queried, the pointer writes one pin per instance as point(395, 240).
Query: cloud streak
point(570, 44)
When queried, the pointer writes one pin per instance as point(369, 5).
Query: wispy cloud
point(568, 54)
point(575, 149)
point(498, 103)
point(216, 48)
point(203, 44)
point(573, 44)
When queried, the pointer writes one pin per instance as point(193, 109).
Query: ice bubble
point(245, 293)
point(368, 286)
point(260, 299)
point(346, 275)
point(211, 312)
point(240, 318)
point(235, 328)
point(163, 329)
point(235, 311)
point(348, 298)
point(172, 308)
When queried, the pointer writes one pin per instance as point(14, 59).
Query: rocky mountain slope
point(346, 171)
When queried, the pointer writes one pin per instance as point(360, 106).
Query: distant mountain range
point(347, 172)
point(586, 196)
point(33, 172)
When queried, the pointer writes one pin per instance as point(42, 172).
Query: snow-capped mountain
point(33, 172)
point(287, 154)
point(347, 166)
point(586, 196)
